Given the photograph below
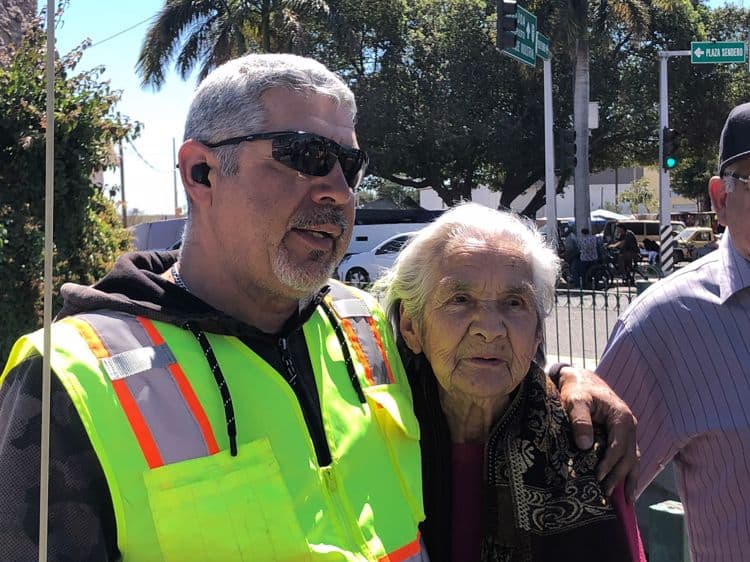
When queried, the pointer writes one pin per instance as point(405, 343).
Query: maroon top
point(468, 474)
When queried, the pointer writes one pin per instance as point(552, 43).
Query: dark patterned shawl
point(542, 502)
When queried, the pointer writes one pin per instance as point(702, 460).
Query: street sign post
point(542, 46)
point(717, 52)
point(525, 49)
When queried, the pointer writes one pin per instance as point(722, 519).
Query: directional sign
point(542, 46)
point(717, 52)
point(525, 49)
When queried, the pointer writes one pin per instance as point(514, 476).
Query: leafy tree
point(374, 187)
point(639, 193)
point(87, 233)
point(582, 20)
point(701, 97)
point(208, 33)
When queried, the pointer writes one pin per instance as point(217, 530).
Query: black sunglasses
point(309, 153)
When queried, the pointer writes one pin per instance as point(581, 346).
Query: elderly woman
point(503, 479)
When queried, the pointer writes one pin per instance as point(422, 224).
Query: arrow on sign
point(699, 52)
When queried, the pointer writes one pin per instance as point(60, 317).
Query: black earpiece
point(199, 173)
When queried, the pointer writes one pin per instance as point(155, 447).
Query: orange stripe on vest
point(185, 389)
point(379, 342)
point(403, 553)
point(352, 335)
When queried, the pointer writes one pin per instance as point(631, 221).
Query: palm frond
point(163, 37)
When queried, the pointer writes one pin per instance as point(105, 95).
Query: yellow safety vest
point(156, 419)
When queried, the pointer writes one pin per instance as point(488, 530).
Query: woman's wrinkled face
point(479, 329)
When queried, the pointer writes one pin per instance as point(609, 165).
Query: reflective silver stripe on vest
point(358, 314)
point(144, 369)
point(137, 361)
point(351, 308)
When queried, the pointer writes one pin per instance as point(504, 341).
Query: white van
point(373, 226)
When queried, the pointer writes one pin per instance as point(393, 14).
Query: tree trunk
point(582, 196)
point(265, 25)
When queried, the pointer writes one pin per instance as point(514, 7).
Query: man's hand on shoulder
point(588, 399)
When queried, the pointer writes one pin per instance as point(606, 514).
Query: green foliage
point(701, 97)
point(205, 34)
point(87, 233)
point(374, 188)
point(440, 107)
point(639, 193)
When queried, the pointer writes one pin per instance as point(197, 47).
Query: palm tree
point(210, 32)
point(581, 19)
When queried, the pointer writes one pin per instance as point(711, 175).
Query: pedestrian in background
point(572, 255)
point(680, 356)
point(628, 251)
point(587, 244)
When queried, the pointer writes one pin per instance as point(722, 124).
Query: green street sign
point(717, 52)
point(525, 49)
point(542, 46)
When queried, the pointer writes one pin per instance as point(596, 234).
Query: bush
point(87, 233)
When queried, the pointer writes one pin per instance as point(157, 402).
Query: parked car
point(362, 269)
point(642, 229)
point(693, 242)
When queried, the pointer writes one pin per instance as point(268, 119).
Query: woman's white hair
point(228, 103)
point(413, 276)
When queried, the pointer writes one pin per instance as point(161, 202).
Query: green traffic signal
point(671, 147)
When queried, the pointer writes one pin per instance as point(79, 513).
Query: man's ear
point(718, 193)
point(194, 156)
point(408, 328)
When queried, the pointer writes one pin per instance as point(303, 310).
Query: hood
point(135, 286)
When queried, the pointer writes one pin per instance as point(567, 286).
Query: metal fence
point(578, 327)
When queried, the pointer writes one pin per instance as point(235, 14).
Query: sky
point(116, 30)
point(148, 162)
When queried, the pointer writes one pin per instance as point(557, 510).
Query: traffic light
point(671, 140)
point(506, 24)
point(565, 150)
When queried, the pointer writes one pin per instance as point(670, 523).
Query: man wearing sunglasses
point(680, 356)
point(229, 402)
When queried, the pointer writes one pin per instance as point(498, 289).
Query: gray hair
point(412, 277)
point(228, 101)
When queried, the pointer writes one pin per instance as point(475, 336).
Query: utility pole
point(581, 191)
point(122, 189)
point(550, 184)
point(665, 203)
point(174, 176)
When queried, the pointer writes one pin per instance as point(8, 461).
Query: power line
point(138, 154)
point(121, 32)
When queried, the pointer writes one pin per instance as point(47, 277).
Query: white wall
point(600, 195)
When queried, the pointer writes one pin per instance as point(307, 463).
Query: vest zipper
point(320, 444)
point(286, 357)
point(353, 532)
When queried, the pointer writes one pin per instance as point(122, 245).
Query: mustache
point(323, 215)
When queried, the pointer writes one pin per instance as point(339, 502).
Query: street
point(578, 327)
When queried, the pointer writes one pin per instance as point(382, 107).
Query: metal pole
point(122, 189)
point(174, 174)
point(665, 224)
point(665, 203)
point(49, 209)
point(550, 184)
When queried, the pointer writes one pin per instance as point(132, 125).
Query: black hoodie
point(81, 517)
